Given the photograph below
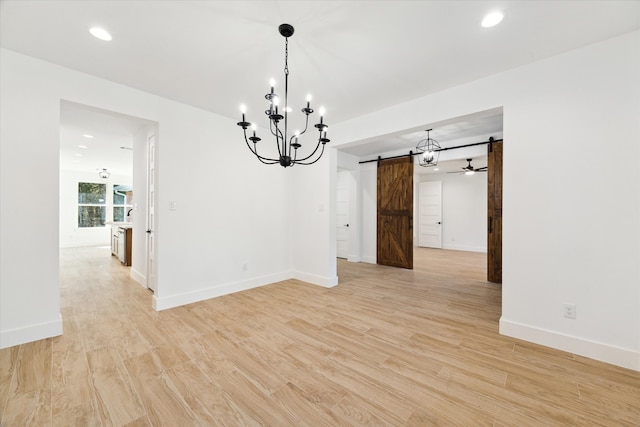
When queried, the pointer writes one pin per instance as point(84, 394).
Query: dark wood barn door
point(494, 214)
point(395, 212)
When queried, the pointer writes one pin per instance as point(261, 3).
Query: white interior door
point(342, 215)
point(151, 197)
point(430, 211)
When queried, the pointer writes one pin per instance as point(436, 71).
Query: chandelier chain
point(286, 56)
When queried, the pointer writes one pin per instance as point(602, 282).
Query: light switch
point(173, 206)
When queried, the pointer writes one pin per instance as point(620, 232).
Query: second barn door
point(395, 212)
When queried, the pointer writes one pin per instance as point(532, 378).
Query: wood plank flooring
point(386, 347)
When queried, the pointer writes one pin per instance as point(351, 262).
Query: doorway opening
point(104, 185)
point(469, 131)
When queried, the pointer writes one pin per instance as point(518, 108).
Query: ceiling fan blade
point(483, 169)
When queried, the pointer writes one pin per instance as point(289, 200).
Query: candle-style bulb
point(321, 114)
point(272, 83)
point(243, 109)
point(308, 100)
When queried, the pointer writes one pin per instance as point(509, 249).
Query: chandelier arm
point(280, 137)
point(314, 152)
point(277, 133)
point(306, 125)
point(254, 150)
point(301, 162)
point(270, 162)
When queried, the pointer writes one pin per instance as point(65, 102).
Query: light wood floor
point(385, 347)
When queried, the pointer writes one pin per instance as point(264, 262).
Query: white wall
point(570, 234)
point(231, 210)
point(313, 221)
point(70, 234)
point(29, 222)
point(464, 210)
point(369, 220)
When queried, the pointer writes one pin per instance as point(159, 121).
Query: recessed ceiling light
point(436, 169)
point(100, 33)
point(492, 19)
point(87, 135)
point(82, 146)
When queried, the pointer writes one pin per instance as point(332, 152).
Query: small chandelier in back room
point(428, 151)
point(286, 143)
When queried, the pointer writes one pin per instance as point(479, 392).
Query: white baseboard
point(84, 244)
point(465, 248)
point(370, 259)
point(625, 358)
point(354, 258)
point(164, 303)
point(138, 277)
point(31, 333)
point(327, 282)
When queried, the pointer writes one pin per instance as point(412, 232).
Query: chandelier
point(428, 151)
point(287, 143)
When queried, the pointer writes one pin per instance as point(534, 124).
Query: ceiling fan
point(470, 170)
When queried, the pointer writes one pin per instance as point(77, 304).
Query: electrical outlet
point(569, 310)
point(244, 267)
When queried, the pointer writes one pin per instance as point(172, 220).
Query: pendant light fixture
point(428, 151)
point(104, 173)
point(287, 143)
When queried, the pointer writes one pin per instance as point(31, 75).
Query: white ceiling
point(355, 57)
point(110, 146)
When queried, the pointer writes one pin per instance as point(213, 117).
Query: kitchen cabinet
point(114, 240)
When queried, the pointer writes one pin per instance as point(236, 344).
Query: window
point(92, 208)
point(121, 202)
